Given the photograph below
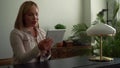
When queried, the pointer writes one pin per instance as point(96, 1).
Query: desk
point(73, 62)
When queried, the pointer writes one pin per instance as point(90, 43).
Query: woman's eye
point(30, 14)
point(33, 14)
point(36, 14)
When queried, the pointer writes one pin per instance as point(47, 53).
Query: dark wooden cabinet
point(69, 51)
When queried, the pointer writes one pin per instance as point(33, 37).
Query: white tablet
point(57, 35)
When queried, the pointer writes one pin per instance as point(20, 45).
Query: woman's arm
point(18, 48)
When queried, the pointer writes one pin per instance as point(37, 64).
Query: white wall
point(87, 12)
point(111, 9)
point(96, 6)
point(8, 11)
point(67, 12)
point(91, 8)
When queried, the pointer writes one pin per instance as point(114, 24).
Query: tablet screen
point(57, 35)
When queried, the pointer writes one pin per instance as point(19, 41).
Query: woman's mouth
point(34, 22)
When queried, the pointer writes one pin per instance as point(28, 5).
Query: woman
point(27, 39)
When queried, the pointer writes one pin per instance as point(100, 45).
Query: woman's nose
point(35, 17)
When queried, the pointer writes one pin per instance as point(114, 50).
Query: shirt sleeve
point(18, 49)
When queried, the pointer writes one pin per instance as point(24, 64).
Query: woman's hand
point(45, 44)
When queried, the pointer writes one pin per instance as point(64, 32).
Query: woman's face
point(31, 17)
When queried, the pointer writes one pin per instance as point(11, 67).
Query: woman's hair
point(19, 23)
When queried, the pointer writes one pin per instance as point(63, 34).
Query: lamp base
point(104, 59)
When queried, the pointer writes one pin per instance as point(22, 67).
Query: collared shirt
point(24, 45)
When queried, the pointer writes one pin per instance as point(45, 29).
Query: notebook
point(57, 35)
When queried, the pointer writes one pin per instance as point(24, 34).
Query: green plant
point(78, 28)
point(79, 34)
point(60, 26)
point(111, 45)
point(100, 15)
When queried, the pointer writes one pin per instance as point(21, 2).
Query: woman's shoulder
point(17, 31)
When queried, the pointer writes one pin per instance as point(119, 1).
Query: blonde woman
point(27, 39)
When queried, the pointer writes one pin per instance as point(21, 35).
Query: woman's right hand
point(45, 44)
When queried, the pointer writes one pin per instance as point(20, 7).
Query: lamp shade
point(101, 29)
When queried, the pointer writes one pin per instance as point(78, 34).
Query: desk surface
point(73, 62)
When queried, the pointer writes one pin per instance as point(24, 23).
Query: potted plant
point(60, 26)
point(111, 45)
point(79, 34)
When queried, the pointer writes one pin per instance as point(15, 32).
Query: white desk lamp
point(101, 29)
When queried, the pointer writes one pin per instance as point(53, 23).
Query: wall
point(97, 6)
point(111, 8)
point(67, 12)
point(8, 11)
point(87, 12)
point(90, 10)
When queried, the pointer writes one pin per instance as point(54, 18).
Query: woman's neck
point(33, 31)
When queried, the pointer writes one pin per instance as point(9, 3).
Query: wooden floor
point(6, 61)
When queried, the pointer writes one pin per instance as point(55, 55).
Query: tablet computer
point(57, 35)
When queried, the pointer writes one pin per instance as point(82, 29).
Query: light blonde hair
point(19, 23)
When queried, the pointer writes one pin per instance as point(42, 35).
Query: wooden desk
point(6, 61)
point(60, 52)
point(73, 62)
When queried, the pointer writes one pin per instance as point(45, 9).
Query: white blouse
point(24, 45)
